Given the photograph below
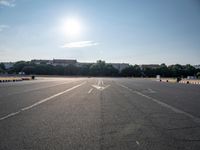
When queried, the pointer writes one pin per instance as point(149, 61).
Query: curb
point(189, 82)
point(182, 81)
point(14, 79)
point(167, 80)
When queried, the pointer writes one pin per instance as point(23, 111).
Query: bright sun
point(72, 27)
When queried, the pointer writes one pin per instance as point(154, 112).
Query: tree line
point(101, 68)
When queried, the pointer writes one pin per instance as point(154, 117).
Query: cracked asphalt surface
point(99, 114)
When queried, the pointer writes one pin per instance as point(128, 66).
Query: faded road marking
point(138, 143)
point(40, 102)
point(176, 110)
point(151, 91)
point(90, 91)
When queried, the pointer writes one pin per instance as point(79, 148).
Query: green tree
point(198, 75)
point(29, 70)
point(137, 71)
point(110, 70)
point(1, 71)
point(71, 70)
point(176, 70)
point(98, 69)
point(128, 71)
point(163, 71)
point(2, 66)
point(43, 69)
point(189, 70)
point(84, 70)
point(18, 66)
point(150, 72)
point(132, 71)
point(58, 70)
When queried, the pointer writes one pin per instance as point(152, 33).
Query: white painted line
point(9, 115)
point(41, 101)
point(90, 91)
point(176, 110)
point(35, 89)
point(138, 143)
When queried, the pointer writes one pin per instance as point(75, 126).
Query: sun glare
point(72, 27)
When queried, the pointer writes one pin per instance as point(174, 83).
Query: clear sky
point(129, 31)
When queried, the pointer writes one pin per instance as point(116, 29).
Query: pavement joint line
point(90, 90)
point(176, 110)
point(40, 102)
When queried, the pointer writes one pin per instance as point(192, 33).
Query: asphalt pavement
point(99, 114)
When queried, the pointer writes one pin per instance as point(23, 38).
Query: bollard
point(32, 77)
point(178, 79)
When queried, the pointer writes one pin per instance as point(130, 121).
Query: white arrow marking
point(100, 86)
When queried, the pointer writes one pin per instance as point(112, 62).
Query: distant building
point(81, 64)
point(41, 61)
point(191, 77)
point(152, 66)
point(197, 66)
point(119, 66)
point(8, 65)
point(55, 62)
point(64, 62)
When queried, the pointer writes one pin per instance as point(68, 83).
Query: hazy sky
point(132, 31)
